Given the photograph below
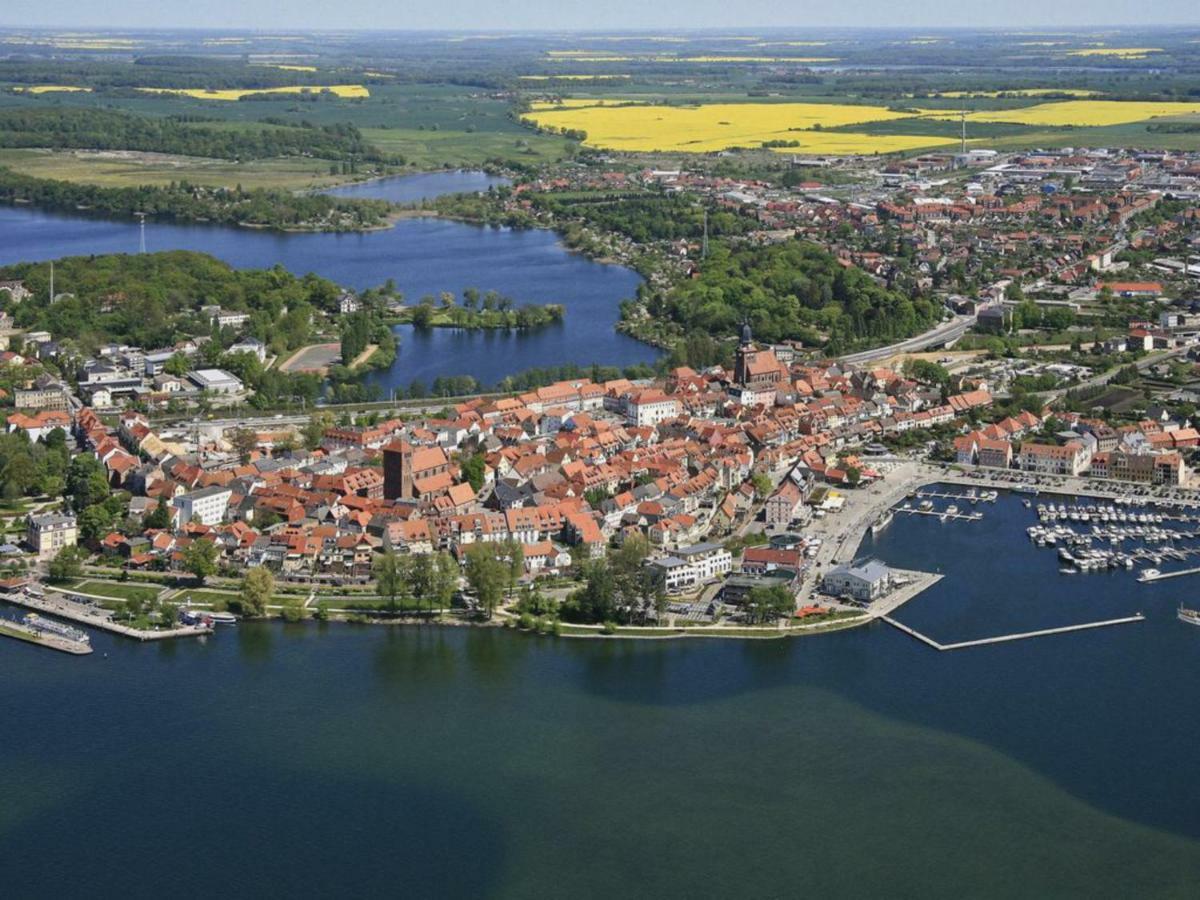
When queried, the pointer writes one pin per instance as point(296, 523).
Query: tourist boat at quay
point(882, 522)
point(58, 629)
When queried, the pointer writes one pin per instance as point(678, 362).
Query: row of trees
point(64, 127)
point(424, 580)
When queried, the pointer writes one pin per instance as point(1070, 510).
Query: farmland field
point(343, 91)
point(129, 168)
point(717, 126)
point(825, 128)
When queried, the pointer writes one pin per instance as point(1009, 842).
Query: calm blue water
point(307, 760)
point(424, 256)
point(412, 188)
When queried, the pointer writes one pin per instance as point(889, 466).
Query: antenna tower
point(141, 231)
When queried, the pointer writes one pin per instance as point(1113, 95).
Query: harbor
point(61, 606)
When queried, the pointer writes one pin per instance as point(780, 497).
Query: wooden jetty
point(1020, 636)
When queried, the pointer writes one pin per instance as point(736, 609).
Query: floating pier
point(980, 497)
point(1146, 577)
point(1020, 636)
point(941, 514)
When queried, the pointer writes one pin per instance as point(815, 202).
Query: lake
point(423, 256)
point(346, 760)
point(426, 186)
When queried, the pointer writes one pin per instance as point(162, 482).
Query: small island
point(487, 310)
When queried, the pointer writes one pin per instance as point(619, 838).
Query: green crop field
point(131, 168)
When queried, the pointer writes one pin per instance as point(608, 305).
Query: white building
point(250, 345)
point(693, 565)
point(48, 534)
point(206, 506)
point(215, 381)
point(649, 407)
point(862, 582)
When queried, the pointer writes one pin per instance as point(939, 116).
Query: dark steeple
point(747, 338)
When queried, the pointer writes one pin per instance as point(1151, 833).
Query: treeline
point(794, 290)
point(645, 217)
point(102, 129)
point(153, 71)
point(153, 300)
point(180, 201)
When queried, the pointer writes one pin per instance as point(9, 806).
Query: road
point(947, 332)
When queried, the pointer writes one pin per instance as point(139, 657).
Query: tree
point(67, 564)
point(159, 517)
point(19, 476)
point(486, 576)
point(421, 578)
point(258, 584)
point(391, 577)
point(472, 467)
point(314, 431)
point(244, 441)
point(762, 484)
point(514, 559)
point(766, 604)
point(446, 573)
point(200, 559)
point(86, 482)
point(177, 365)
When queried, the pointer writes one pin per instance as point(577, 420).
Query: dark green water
point(278, 760)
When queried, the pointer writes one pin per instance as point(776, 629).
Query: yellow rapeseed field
point(716, 126)
point(51, 89)
point(1077, 112)
point(345, 91)
point(1119, 52)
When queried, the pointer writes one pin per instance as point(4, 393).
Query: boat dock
point(23, 632)
point(941, 514)
point(1147, 577)
point(60, 606)
point(980, 497)
point(1019, 636)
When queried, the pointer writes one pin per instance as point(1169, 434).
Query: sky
point(275, 15)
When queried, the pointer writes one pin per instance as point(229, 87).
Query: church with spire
point(756, 369)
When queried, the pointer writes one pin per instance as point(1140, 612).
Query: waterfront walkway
point(1019, 636)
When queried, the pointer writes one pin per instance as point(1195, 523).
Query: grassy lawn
point(127, 169)
point(119, 591)
point(217, 600)
point(426, 149)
